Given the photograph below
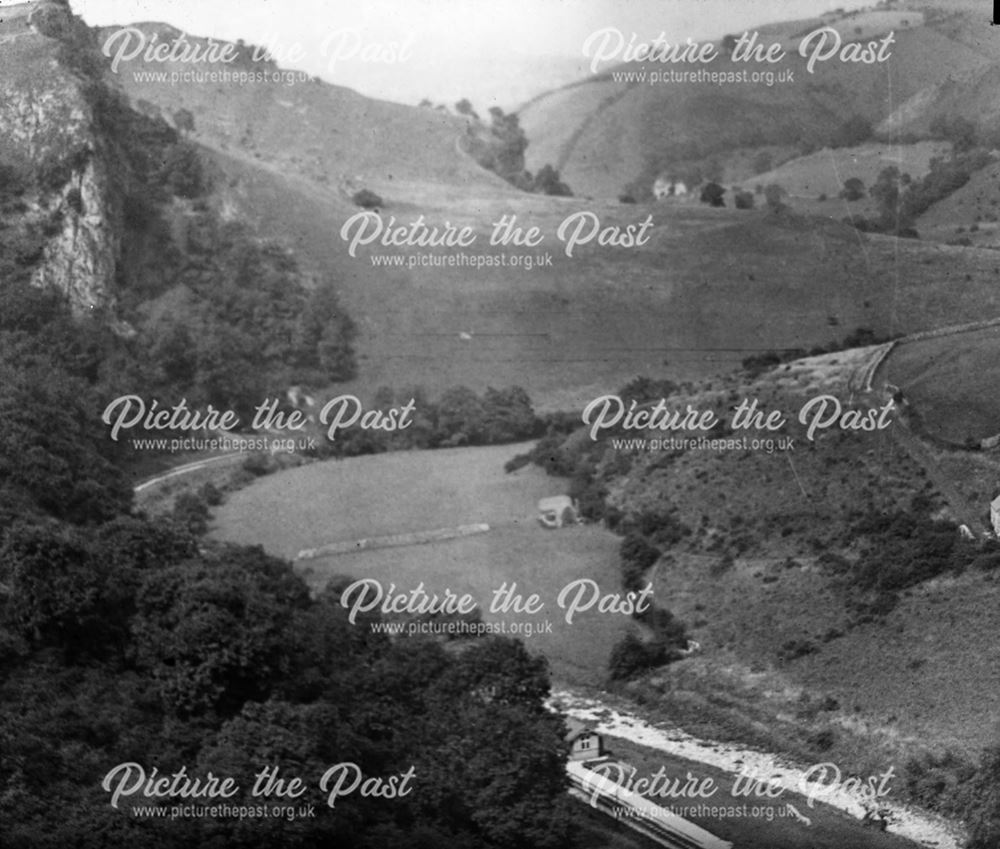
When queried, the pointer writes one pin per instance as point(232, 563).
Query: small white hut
point(557, 511)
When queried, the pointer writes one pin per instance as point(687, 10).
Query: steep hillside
point(970, 215)
point(676, 126)
point(710, 288)
point(806, 570)
point(949, 381)
point(330, 134)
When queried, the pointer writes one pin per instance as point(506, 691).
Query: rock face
point(47, 127)
point(81, 258)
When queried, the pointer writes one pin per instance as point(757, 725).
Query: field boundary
point(392, 541)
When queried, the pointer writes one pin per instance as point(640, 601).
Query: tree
point(762, 162)
point(855, 130)
point(509, 415)
point(637, 556)
point(983, 813)
point(464, 107)
point(886, 192)
point(960, 131)
point(711, 193)
point(773, 194)
point(743, 200)
point(367, 199)
point(54, 449)
point(461, 417)
point(629, 657)
point(547, 182)
point(61, 593)
point(184, 121)
point(214, 632)
point(854, 189)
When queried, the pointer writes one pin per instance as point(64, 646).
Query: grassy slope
point(900, 684)
point(825, 171)
point(328, 133)
point(602, 160)
point(950, 380)
point(709, 288)
point(970, 213)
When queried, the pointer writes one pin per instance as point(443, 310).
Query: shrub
point(822, 741)
point(854, 189)
point(853, 131)
point(210, 494)
point(773, 194)
point(367, 199)
point(547, 182)
point(712, 193)
point(631, 656)
point(637, 557)
point(796, 648)
point(191, 513)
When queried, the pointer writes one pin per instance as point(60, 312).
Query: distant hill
point(300, 124)
point(608, 134)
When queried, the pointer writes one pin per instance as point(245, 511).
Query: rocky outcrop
point(81, 257)
point(47, 127)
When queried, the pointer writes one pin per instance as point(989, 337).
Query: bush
point(260, 464)
point(793, 649)
point(191, 513)
point(637, 557)
point(210, 494)
point(854, 189)
point(547, 182)
point(712, 193)
point(773, 194)
point(631, 656)
point(853, 131)
point(367, 199)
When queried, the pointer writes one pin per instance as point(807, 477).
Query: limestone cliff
point(48, 129)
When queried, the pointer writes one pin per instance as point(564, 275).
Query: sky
point(488, 50)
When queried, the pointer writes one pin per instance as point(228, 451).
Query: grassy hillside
point(949, 380)
point(710, 287)
point(670, 125)
point(824, 172)
point(328, 133)
point(766, 557)
point(969, 215)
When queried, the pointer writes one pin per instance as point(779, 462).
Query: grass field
point(425, 490)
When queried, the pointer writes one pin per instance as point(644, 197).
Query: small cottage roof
point(576, 729)
point(555, 502)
